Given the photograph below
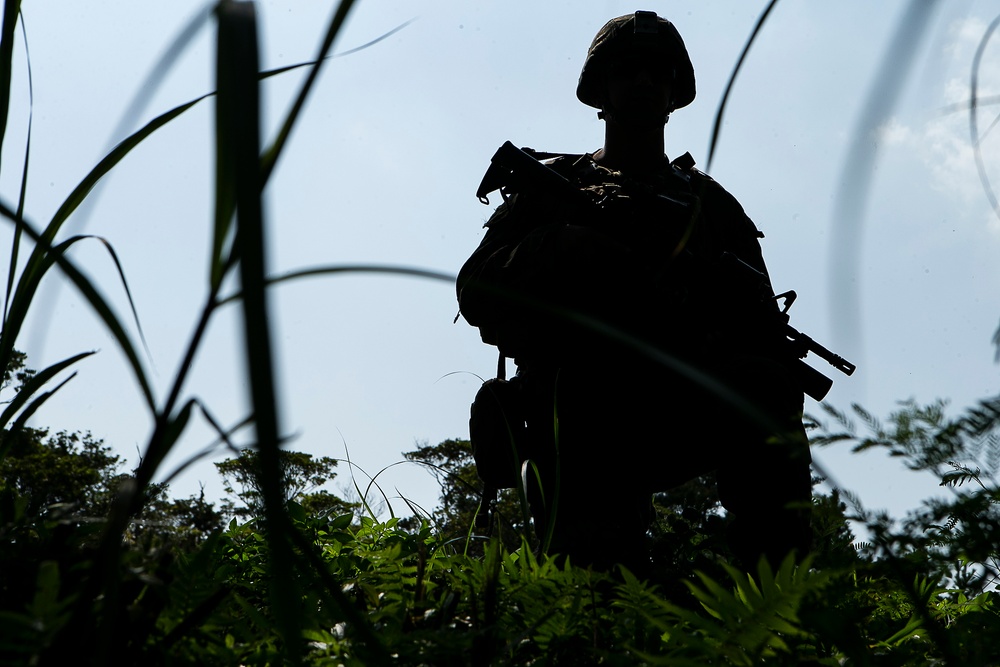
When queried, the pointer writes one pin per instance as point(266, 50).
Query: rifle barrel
point(832, 358)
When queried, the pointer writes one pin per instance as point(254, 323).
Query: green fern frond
point(742, 621)
point(959, 477)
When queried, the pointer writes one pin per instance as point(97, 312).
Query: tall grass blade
point(859, 165)
point(11, 9)
point(717, 126)
point(238, 157)
point(175, 427)
point(16, 238)
point(160, 69)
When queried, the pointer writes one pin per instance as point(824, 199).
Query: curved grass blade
point(121, 275)
point(976, 139)
point(349, 268)
point(288, 68)
point(225, 204)
point(652, 352)
point(270, 158)
point(32, 407)
point(717, 126)
point(30, 280)
point(29, 284)
point(363, 496)
point(33, 385)
point(128, 292)
point(415, 507)
point(372, 482)
point(223, 439)
point(81, 191)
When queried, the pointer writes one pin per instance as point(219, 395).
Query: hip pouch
point(497, 432)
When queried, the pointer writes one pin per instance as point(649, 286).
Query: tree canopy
point(303, 475)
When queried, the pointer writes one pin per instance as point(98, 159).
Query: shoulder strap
point(684, 162)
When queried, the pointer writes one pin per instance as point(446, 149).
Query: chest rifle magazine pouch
point(497, 432)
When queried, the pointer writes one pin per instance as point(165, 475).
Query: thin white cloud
point(943, 142)
point(894, 133)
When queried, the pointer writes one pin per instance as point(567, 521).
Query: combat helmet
point(641, 30)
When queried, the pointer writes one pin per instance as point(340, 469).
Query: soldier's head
point(637, 70)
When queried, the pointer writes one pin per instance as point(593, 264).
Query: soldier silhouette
point(644, 358)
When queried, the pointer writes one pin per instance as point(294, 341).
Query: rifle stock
point(512, 166)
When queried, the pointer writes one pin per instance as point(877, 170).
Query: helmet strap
point(608, 113)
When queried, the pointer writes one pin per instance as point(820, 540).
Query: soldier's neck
point(630, 149)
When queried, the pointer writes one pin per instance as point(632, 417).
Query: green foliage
point(459, 506)
point(912, 596)
point(67, 469)
point(432, 606)
point(955, 539)
point(928, 579)
point(16, 370)
point(368, 590)
point(302, 476)
point(688, 532)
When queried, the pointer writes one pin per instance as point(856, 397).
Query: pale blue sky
point(383, 169)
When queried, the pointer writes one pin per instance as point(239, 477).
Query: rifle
point(521, 170)
point(799, 345)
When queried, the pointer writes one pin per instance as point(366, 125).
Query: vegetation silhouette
point(102, 568)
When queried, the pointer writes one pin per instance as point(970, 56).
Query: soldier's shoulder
point(717, 202)
point(701, 182)
point(685, 166)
